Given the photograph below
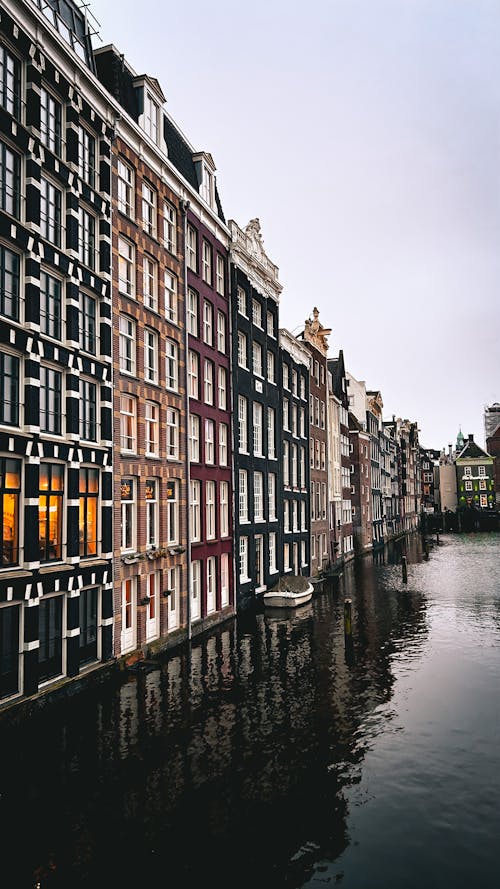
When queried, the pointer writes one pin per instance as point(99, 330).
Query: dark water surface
point(274, 757)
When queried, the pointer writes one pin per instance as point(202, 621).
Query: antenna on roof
point(92, 28)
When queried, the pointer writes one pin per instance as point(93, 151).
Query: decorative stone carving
point(315, 333)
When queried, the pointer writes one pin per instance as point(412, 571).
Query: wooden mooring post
point(348, 618)
point(404, 568)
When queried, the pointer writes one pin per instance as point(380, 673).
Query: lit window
point(10, 492)
point(50, 511)
point(128, 424)
point(127, 345)
point(88, 511)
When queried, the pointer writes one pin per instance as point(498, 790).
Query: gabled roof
point(336, 367)
point(472, 451)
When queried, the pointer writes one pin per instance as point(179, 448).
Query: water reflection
point(233, 764)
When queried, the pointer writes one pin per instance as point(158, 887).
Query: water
point(275, 756)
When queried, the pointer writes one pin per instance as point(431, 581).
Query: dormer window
point(205, 171)
point(151, 109)
point(207, 186)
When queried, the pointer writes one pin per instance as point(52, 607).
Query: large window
point(208, 382)
point(10, 181)
point(50, 212)
point(50, 305)
point(257, 359)
point(87, 612)
point(89, 510)
point(207, 262)
point(221, 275)
point(221, 332)
point(88, 410)
point(152, 513)
point(9, 283)
point(258, 497)
point(243, 423)
point(242, 350)
point(243, 495)
point(224, 580)
point(193, 374)
point(50, 620)
point(257, 429)
point(194, 438)
point(173, 511)
point(86, 157)
point(170, 227)
point(128, 513)
point(9, 650)
point(172, 434)
point(208, 322)
point(50, 400)
point(128, 424)
point(243, 558)
point(150, 283)
point(50, 511)
point(88, 323)
point(127, 345)
point(125, 189)
point(209, 441)
point(150, 356)
point(211, 584)
point(9, 389)
point(10, 82)
point(170, 297)
point(210, 510)
point(222, 388)
point(271, 496)
point(271, 433)
point(222, 444)
point(192, 249)
point(195, 510)
point(50, 121)
point(10, 492)
point(149, 209)
point(192, 312)
point(86, 238)
point(224, 509)
point(126, 264)
point(152, 429)
point(171, 365)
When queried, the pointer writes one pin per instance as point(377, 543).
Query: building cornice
point(291, 345)
point(247, 252)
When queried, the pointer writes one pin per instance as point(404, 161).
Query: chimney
point(471, 437)
point(449, 450)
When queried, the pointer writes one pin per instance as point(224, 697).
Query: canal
point(272, 755)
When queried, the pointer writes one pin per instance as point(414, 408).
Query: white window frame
point(170, 227)
point(210, 517)
point(171, 365)
point(172, 433)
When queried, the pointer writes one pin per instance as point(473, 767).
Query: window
point(286, 463)
point(243, 423)
point(483, 500)
point(171, 365)
point(10, 83)
point(272, 552)
point(220, 275)
point(224, 580)
point(86, 238)
point(150, 356)
point(50, 400)
point(270, 324)
point(172, 434)
point(243, 495)
point(286, 516)
point(194, 438)
point(271, 496)
point(243, 558)
point(210, 510)
point(208, 322)
point(86, 157)
point(126, 260)
point(50, 121)
point(286, 417)
point(150, 283)
point(482, 484)
point(302, 467)
point(195, 510)
point(149, 209)
point(125, 188)
point(50, 629)
point(209, 441)
point(151, 117)
point(294, 421)
point(270, 367)
point(127, 344)
point(128, 424)
point(88, 511)
point(256, 313)
point(222, 388)
point(9, 281)
point(303, 515)
point(192, 312)
point(286, 557)
point(271, 433)
point(467, 471)
point(294, 382)
point(257, 359)
point(285, 377)
point(9, 389)
point(192, 248)
point(294, 465)
point(257, 428)
point(242, 350)
point(482, 471)
point(88, 410)
point(152, 429)
point(10, 492)
point(207, 186)
point(170, 227)
point(242, 301)
point(10, 181)
point(88, 323)
point(224, 509)
point(50, 511)
point(302, 386)
point(302, 423)
point(323, 455)
point(221, 332)
point(50, 305)
point(128, 513)
point(193, 374)
point(170, 297)
point(173, 511)
point(206, 263)
point(195, 587)
point(468, 485)
point(295, 520)
point(222, 444)
point(50, 212)
point(208, 382)
point(211, 584)
point(258, 497)
point(152, 519)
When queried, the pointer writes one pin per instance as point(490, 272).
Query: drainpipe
point(184, 208)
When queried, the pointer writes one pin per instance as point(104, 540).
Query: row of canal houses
point(167, 450)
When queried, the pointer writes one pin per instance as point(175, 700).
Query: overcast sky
point(365, 135)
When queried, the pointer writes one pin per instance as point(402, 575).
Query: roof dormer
point(205, 171)
point(150, 100)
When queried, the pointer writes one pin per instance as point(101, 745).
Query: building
point(55, 351)
point(343, 539)
point(475, 477)
point(360, 484)
point(258, 451)
point(374, 406)
point(294, 373)
point(491, 420)
point(446, 494)
point(315, 339)
point(493, 448)
point(428, 460)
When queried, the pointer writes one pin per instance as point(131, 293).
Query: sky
point(365, 136)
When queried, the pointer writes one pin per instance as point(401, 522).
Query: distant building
point(475, 477)
point(491, 420)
